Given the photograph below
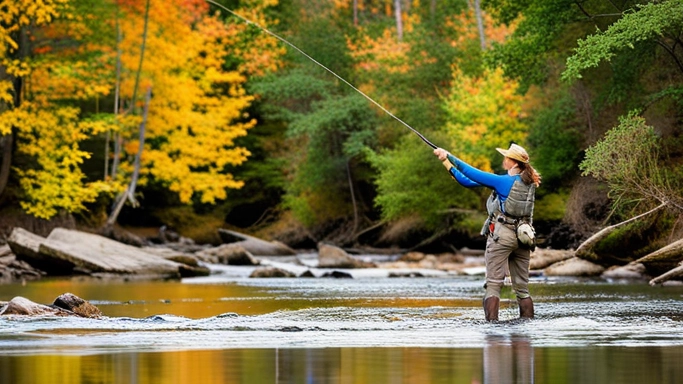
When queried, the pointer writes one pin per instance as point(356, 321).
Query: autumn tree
point(196, 113)
point(47, 132)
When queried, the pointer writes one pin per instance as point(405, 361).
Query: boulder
point(230, 254)
point(330, 256)
point(75, 304)
point(24, 307)
point(542, 257)
point(26, 247)
point(255, 245)
point(67, 251)
point(412, 257)
point(574, 267)
point(271, 272)
point(95, 253)
point(630, 271)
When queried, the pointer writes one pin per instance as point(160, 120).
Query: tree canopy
point(240, 122)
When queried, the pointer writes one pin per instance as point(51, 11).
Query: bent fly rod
point(264, 29)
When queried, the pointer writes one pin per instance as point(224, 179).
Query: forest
point(195, 115)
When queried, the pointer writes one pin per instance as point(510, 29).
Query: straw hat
point(515, 152)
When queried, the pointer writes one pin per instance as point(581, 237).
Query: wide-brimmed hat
point(515, 152)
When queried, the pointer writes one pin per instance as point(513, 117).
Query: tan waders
point(502, 249)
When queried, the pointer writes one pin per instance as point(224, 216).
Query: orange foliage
point(464, 27)
point(196, 112)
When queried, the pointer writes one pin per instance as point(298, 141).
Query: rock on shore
point(67, 251)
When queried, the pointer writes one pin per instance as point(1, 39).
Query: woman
point(510, 237)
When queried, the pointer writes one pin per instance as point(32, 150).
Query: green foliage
point(551, 206)
point(411, 181)
point(645, 23)
point(526, 54)
point(555, 137)
point(627, 159)
point(326, 130)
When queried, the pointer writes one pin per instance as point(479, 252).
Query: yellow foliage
point(196, 113)
point(52, 137)
point(197, 109)
point(484, 113)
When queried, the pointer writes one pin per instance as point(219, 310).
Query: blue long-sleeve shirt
point(469, 177)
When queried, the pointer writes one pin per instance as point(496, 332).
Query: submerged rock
point(66, 304)
point(271, 272)
point(75, 304)
point(338, 275)
point(24, 307)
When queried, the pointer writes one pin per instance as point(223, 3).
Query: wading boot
point(526, 308)
point(491, 305)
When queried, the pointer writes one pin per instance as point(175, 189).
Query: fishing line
point(249, 22)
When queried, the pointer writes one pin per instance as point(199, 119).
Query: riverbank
point(65, 252)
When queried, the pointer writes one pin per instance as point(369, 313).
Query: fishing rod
point(249, 22)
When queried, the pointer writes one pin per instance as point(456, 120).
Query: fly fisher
point(510, 236)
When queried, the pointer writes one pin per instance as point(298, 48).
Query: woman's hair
point(529, 174)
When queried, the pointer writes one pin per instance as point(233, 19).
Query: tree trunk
point(480, 24)
point(6, 166)
point(355, 13)
point(399, 20)
point(584, 250)
point(432, 10)
point(353, 197)
point(130, 191)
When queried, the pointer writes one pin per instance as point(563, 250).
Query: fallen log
point(585, 250)
point(676, 272)
point(665, 257)
point(254, 245)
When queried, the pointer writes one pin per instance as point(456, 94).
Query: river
point(228, 328)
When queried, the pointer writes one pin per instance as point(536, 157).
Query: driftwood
point(672, 253)
point(585, 250)
point(254, 245)
point(676, 272)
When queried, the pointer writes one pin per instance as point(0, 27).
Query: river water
point(228, 328)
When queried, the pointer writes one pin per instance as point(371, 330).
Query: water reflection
point(508, 359)
point(343, 331)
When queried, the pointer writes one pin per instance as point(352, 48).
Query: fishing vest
point(519, 206)
point(517, 210)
